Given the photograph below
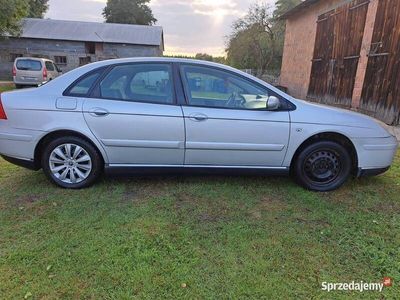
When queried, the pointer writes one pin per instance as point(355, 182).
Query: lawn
point(6, 87)
point(215, 237)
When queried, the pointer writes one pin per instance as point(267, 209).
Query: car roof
point(33, 58)
point(155, 60)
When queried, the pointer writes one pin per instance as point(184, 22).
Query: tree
point(281, 7)
point(37, 8)
point(11, 13)
point(129, 12)
point(253, 41)
point(202, 56)
point(256, 41)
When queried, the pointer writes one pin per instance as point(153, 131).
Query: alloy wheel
point(70, 163)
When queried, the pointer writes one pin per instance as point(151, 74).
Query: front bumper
point(371, 172)
point(375, 153)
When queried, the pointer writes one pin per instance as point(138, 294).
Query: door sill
point(138, 169)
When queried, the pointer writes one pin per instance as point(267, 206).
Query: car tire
point(18, 86)
point(72, 162)
point(323, 166)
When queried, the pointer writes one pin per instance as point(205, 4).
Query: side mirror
point(273, 103)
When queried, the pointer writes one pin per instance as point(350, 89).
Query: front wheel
point(71, 162)
point(323, 166)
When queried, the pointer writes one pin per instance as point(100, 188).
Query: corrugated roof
point(92, 32)
point(296, 9)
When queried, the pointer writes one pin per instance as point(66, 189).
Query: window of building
point(84, 60)
point(90, 47)
point(14, 56)
point(99, 48)
point(60, 60)
point(139, 83)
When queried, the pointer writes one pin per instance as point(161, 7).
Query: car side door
point(132, 112)
point(227, 120)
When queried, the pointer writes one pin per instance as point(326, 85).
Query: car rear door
point(224, 131)
point(133, 114)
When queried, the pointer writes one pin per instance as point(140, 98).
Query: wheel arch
point(331, 137)
point(61, 133)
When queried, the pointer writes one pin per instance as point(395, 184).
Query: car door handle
point(98, 112)
point(198, 117)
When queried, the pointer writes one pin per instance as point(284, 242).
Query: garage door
point(381, 91)
point(336, 53)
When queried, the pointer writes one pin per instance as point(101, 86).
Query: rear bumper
point(28, 164)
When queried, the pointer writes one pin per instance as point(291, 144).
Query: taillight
point(14, 71)
point(44, 74)
point(3, 115)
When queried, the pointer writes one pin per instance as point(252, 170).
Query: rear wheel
point(323, 166)
point(71, 162)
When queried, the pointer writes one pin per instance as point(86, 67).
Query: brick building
point(72, 44)
point(345, 53)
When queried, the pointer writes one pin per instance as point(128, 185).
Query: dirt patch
point(318, 222)
point(202, 209)
point(143, 190)
point(27, 199)
point(268, 204)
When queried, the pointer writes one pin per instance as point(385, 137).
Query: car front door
point(227, 121)
point(132, 112)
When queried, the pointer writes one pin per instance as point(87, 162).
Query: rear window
point(83, 85)
point(29, 65)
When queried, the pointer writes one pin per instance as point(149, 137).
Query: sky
point(190, 26)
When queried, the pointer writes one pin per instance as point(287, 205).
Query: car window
point(214, 88)
point(49, 66)
point(83, 86)
point(139, 83)
point(29, 65)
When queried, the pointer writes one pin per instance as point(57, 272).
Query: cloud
point(190, 26)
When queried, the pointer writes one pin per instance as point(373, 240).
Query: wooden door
point(336, 53)
point(381, 91)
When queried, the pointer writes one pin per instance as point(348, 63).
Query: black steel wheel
point(323, 166)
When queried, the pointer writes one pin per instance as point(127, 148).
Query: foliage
point(256, 41)
point(37, 8)
point(202, 56)
point(129, 12)
point(281, 7)
point(11, 13)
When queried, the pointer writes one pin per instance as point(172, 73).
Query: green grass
point(4, 88)
point(223, 237)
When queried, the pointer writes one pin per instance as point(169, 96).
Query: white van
point(32, 71)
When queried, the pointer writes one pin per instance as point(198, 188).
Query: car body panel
point(235, 137)
point(138, 133)
point(134, 134)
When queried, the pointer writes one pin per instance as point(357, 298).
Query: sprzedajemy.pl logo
point(360, 286)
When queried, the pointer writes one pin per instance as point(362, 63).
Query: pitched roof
point(92, 32)
point(296, 9)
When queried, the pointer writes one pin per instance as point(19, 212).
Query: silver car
point(32, 71)
point(175, 114)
